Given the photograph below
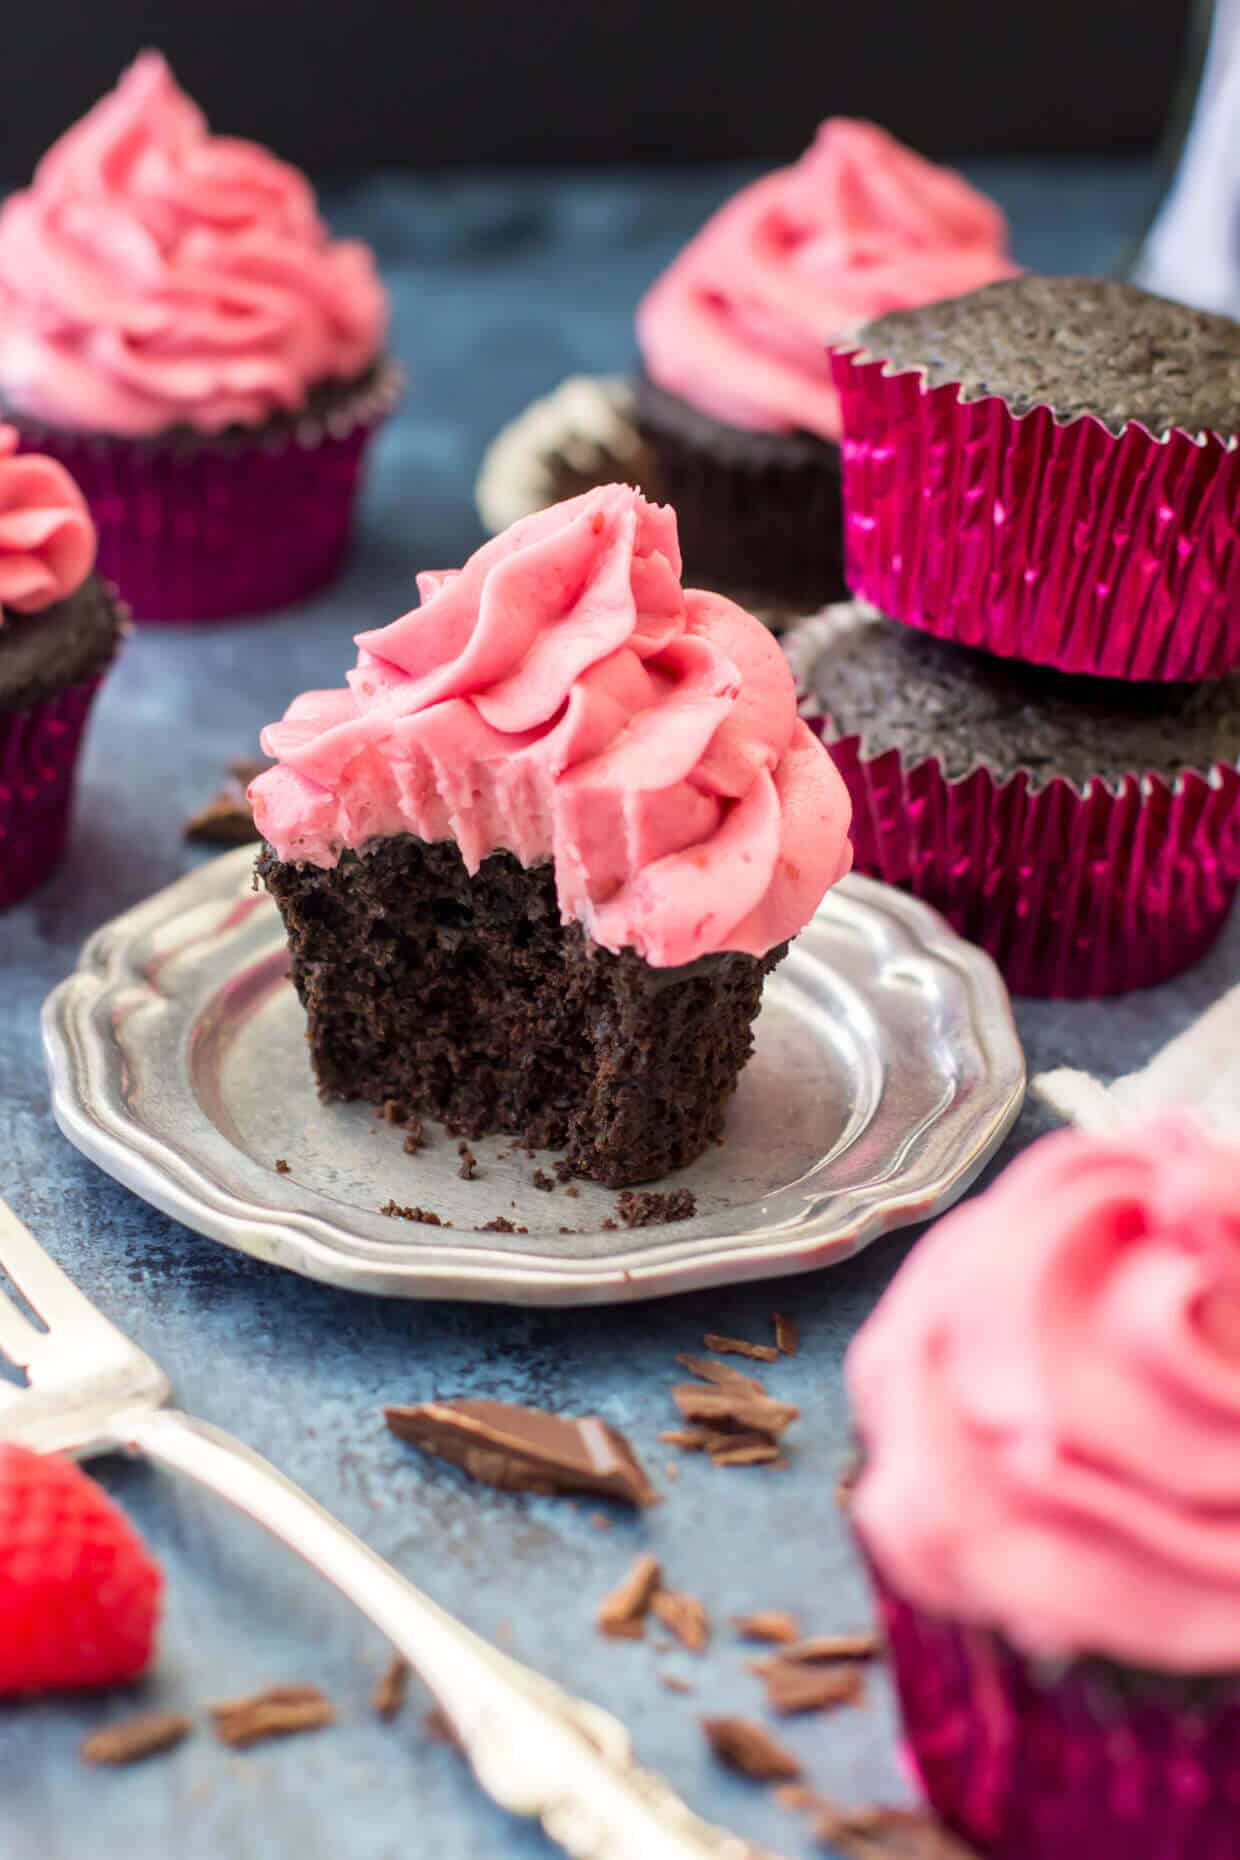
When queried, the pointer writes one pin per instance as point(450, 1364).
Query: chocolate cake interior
point(467, 1000)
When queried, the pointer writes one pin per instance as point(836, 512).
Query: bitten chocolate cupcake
point(59, 630)
point(1048, 1398)
point(536, 860)
point(1085, 831)
point(736, 398)
point(1048, 468)
point(178, 328)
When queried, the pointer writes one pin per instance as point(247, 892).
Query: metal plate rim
point(164, 1176)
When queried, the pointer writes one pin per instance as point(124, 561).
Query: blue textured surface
point(500, 289)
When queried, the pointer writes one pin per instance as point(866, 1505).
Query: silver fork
point(534, 1748)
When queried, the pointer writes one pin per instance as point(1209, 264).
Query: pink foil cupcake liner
point(222, 529)
point(1060, 544)
point(38, 763)
point(1082, 1762)
point(1072, 892)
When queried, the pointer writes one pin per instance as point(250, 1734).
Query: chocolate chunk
point(734, 1408)
point(647, 1208)
point(747, 1453)
point(769, 1624)
point(684, 1616)
point(280, 1711)
point(622, 1613)
point(750, 1748)
point(737, 1346)
point(390, 1688)
point(787, 1337)
point(135, 1738)
point(794, 1688)
point(227, 818)
point(722, 1375)
point(859, 1646)
point(282, 1167)
point(526, 1449)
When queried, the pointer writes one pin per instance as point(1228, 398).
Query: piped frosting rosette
point(740, 322)
point(171, 304)
point(47, 551)
point(562, 698)
point(1049, 1401)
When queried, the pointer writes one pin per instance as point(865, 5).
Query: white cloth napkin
point(1200, 1068)
point(1193, 251)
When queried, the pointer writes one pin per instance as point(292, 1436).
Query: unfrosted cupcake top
point(1076, 345)
point(563, 698)
point(47, 538)
point(1049, 1401)
point(154, 276)
point(740, 322)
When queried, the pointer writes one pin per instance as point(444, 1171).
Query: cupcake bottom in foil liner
point(38, 763)
point(1079, 1762)
point(219, 528)
point(1061, 544)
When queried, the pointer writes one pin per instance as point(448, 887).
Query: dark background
point(393, 83)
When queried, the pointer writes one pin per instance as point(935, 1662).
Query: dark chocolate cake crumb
point(544, 1181)
point(227, 818)
point(572, 1191)
point(135, 1738)
point(563, 1170)
point(499, 1225)
point(280, 1711)
point(282, 1166)
point(1077, 345)
point(610, 1227)
point(469, 1163)
point(415, 1138)
point(426, 1216)
point(526, 1449)
point(648, 1208)
point(465, 998)
point(750, 1749)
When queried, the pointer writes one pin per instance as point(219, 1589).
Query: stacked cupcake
point(1035, 698)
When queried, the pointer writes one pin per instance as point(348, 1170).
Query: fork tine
point(39, 1279)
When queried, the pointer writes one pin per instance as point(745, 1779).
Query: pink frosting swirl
point(154, 275)
point(47, 539)
point(562, 697)
point(740, 322)
point(1049, 1396)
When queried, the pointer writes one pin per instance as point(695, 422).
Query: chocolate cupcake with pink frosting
point(1049, 1401)
point(59, 631)
point(736, 398)
point(536, 859)
point(179, 329)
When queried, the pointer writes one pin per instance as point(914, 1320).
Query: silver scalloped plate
point(887, 1070)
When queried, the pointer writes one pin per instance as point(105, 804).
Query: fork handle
point(535, 1749)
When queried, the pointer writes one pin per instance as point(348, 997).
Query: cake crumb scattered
point(622, 1613)
point(648, 1208)
point(390, 1688)
point(750, 1749)
point(502, 1225)
point(563, 1170)
point(280, 1711)
point(610, 1226)
point(426, 1216)
point(684, 1616)
point(792, 1688)
point(572, 1191)
point(134, 1738)
point(544, 1181)
point(415, 1136)
point(469, 1162)
point(282, 1167)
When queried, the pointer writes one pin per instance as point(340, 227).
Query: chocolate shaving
point(887, 1834)
point(672, 1682)
point(750, 1749)
point(622, 1613)
point(860, 1646)
point(390, 1688)
point(736, 1409)
point(135, 1738)
point(526, 1449)
point(787, 1336)
point(748, 1453)
point(769, 1624)
point(280, 1711)
point(227, 819)
point(721, 1375)
point(647, 1208)
point(737, 1346)
point(426, 1216)
point(792, 1688)
point(684, 1616)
